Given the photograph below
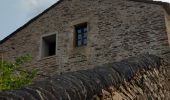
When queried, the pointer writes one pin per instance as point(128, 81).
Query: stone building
point(80, 34)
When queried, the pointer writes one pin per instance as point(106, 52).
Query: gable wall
point(116, 31)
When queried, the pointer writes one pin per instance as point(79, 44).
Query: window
point(81, 35)
point(48, 46)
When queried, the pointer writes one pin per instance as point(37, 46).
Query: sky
point(15, 13)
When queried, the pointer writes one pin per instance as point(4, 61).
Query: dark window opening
point(81, 35)
point(52, 47)
point(49, 46)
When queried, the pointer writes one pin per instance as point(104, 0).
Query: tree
point(14, 75)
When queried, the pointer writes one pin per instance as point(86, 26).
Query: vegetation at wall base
point(13, 75)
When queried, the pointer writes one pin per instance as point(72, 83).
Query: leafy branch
point(14, 75)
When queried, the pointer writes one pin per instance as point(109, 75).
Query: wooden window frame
point(82, 33)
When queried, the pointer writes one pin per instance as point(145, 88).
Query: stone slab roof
point(84, 84)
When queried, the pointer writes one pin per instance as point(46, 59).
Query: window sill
point(84, 46)
point(48, 57)
point(81, 49)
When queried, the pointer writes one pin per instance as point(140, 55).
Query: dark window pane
point(79, 43)
point(85, 30)
point(85, 41)
point(85, 35)
point(79, 36)
point(79, 31)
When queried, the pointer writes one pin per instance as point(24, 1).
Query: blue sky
point(15, 13)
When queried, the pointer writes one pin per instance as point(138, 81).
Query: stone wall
point(136, 78)
point(117, 29)
point(150, 85)
point(167, 20)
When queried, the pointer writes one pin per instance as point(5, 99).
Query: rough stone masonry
point(136, 78)
point(117, 29)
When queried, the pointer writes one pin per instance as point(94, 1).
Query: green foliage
point(14, 75)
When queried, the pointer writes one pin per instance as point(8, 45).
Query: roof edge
point(30, 21)
point(165, 5)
